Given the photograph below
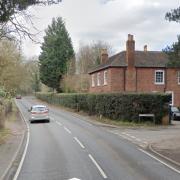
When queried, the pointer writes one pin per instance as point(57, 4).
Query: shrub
point(116, 106)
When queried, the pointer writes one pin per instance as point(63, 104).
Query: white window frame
point(172, 96)
point(98, 79)
point(178, 77)
point(93, 80)
point(159, 83)
point(105, 77)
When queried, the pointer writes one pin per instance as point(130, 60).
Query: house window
point(178, 77)
point(105, 77)
point(98, 79)
point(159, 77)
point(93, 80)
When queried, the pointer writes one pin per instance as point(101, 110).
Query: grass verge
point(11, 117)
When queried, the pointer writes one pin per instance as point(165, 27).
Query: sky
point(110, 21)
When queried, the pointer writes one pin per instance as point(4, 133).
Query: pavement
point(100, 152)
point(10, 148)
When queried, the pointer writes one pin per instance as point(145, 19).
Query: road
point(69, 147)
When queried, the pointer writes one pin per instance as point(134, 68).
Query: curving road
point(69, 147)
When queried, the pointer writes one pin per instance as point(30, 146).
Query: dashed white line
point(67, 130)
point(137, 139)
point(79, 142)
point(59, 123)
point(98, 167)
point(162, 162)
point(133, 137)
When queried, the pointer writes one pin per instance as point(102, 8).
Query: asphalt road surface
point(69, 147)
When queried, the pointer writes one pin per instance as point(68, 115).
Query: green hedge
point(116, 106)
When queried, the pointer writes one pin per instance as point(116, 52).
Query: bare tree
point(11, 11)
point(89, 56)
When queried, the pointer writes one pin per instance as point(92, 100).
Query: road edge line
point(25, 149)
point(162, 162)
point(168, 159)
point(15, 155)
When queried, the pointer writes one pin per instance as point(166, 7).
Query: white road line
point(98, 167)
point(133, 137)
point(67, 130)
point(145, 142)
point(25, 150)
point(59, 123)
point(162, 162)
point(142, 145)
point(125, 137)
point(137, 139)
point(79, 142)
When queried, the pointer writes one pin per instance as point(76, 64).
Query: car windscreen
point(174, 109)
point(39, 109)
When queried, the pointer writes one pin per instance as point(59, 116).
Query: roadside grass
point(11, 117)
point(124, 123)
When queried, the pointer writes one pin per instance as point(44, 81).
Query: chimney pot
point(145, 48)
point(130, 37)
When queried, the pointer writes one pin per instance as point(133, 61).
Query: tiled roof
point(142, 59)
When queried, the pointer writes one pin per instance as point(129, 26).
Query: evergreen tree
point(57, 50)
point(10, 7)
point(173, 52)
point(174, 15)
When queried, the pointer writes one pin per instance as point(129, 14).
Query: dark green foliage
point(174, 15)
point(173, 52)
point(57, 50)
point(114, 106)
point(10, 7)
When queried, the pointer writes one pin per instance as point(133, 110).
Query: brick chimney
point(130, 73)
point(130, 51)
point(145, 48)
point(104, 56)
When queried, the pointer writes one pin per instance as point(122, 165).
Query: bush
point(5, 109)
point(116, 106)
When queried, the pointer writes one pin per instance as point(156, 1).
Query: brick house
point(136, 71)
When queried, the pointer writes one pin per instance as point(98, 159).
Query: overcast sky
point(109, 21)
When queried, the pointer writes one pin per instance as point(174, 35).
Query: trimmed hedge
point(116, 106)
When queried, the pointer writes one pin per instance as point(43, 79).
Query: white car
point(39, 112)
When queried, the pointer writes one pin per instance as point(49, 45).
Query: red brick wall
point(115, 81)
point(146, 80)
point(130, 79)
point(102, 87)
